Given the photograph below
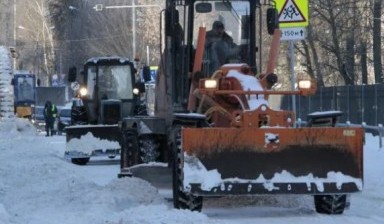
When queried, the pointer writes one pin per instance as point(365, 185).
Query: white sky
point(38, 186)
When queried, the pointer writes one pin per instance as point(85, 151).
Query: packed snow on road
point(39, 186)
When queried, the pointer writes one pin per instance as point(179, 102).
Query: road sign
point(292, 13)
point(75, 86)
point(294, 33)
point(98, 7)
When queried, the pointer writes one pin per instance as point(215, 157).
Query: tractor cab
point(108, 91)
point(227, 38)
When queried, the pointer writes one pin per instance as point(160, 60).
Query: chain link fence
point(362, 104)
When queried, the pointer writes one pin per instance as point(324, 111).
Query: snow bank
point(16, 127)
point(6, 89)
point(38, 185)
point(4, 216)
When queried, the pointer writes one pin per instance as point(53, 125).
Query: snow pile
point(14, 127)
point(195, 172)
point(6, 89)
point(4, 216)
point(39, 186)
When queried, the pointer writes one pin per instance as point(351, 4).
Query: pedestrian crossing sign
point(292, 13)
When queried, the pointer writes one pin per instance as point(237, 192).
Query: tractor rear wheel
point(129, 149)
point(330, 204)
point(181, 199)
point(149, 149)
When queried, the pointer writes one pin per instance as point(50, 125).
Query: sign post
point(293, 22)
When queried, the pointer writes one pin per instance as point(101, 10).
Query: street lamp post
point(133, 29)
point(14, 35)
point(73, 10)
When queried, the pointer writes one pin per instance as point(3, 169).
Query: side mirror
point(72, 73)
point(146, 73)
point(272, 20)
point(203, 7)
point(13, 81)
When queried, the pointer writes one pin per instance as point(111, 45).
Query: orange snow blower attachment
point(253, 149)
point(273, 160)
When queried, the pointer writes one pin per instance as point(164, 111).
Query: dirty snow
point(38, 186)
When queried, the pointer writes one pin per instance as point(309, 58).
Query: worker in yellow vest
point(50, 114)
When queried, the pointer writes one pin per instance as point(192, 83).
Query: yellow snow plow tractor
point(222, 137)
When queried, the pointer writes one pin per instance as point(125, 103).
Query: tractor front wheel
point(80, 161)
point(182, 199)
point(330, 204)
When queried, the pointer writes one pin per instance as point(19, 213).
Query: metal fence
point(360, 104)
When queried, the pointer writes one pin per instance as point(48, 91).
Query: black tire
point(129, 149)
point(80, 161)
point(330, 204)
point(181, 199)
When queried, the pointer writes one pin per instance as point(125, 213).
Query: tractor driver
point(25, 90)
point(219, 46)
point(107, 83)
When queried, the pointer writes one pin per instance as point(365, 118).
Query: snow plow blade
point(85, 141)
point(225, 161)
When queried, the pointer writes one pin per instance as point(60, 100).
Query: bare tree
point(118, 30)
point(332, 18)
point(364, 39)
point(343, 42)
point(83, 32)
point(34, 38)
point(377, 5)
point(6, 22)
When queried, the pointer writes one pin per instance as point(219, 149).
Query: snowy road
point(39, 186)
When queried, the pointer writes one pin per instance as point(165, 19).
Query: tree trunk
point(350, 56)
point(315, 58)
point(338, 54)
point(364, 63)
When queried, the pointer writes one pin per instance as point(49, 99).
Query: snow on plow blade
point(222, 161)
point(100, 131)
point(92, 140)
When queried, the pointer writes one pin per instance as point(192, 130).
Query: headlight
point(210, 83)
point(136, 91)
point(307, 87)
point(83, 91)
point(304, 84)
